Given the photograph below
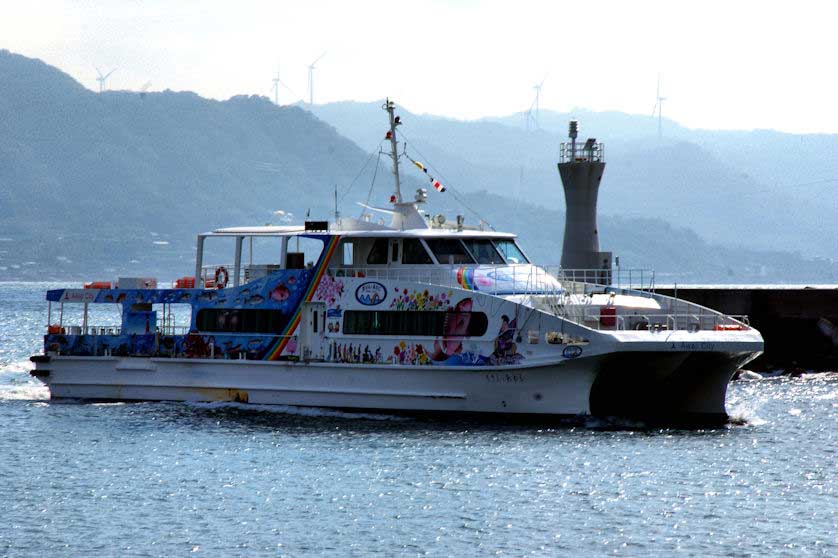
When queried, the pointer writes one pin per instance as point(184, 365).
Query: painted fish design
point(280, 293)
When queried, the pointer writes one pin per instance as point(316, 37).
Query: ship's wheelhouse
point(288, 248)
point(425, 249)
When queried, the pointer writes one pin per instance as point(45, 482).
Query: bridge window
point(483, 251)
point(449, 251)
point(510, 251)
point(414, 253)
point(378, 253)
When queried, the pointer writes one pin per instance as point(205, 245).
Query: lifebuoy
point(221, 277)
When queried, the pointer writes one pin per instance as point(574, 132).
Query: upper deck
point(412, 241)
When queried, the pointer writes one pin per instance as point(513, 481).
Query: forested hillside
point(119, 183)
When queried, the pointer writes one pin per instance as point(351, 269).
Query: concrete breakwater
point(799, 323)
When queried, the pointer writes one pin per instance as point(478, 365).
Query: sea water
point(164, 479)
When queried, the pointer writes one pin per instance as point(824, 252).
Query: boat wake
point(23, 392)
point(292, 410)
point(745, 418)
point(16, 367)
point(16, 385)
point(743, 409)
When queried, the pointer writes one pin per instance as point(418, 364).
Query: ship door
point(311, 335)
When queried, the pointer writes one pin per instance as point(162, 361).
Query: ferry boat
point(421, 315)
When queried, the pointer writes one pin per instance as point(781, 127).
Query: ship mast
point(390, 107)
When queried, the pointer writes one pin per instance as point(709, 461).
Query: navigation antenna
point(390, 107)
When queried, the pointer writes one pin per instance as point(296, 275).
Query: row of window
point(241, 321)
point(418, 323)
point(447, 251)
point(355, 322)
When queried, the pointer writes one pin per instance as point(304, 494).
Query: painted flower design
point(420, 300)
point(329, 290)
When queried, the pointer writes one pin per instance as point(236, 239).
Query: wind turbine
point(532, 112)
point(311, 68)
point(101, 79)
point(277, 83)
point(144, 89)
point(537, 97)
point(659, 107)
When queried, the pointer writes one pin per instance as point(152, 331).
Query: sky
point(721, 65)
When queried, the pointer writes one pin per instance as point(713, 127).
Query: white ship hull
point(673, 386)
point(557, 389)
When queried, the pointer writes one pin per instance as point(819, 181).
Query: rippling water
point(158, 479)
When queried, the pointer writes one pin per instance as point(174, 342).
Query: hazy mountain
point(676, 254)
point(99, 185)
point(113, 177)
point(761, 190)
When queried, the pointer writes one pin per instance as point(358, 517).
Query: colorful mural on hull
point(505, 279)
point(285, 292)
point(420, 300)
point(353, 353)
point(286, 344)
point(192, 345)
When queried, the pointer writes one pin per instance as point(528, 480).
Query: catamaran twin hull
point(378, 343)
point(674, 387)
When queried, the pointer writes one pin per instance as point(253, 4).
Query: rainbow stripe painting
point(465, 278)
point(291, 327)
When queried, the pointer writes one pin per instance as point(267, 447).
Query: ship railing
point(638, 279)
point(173, 330)
point(671, 313)
point(207, 280)
point(524, 277)
point(108, 329)
point(674, 314)
point(249, 272)
point(552, 286)
point(594, 318)
point(511, 279)
point(113, 330)
point(213, 345)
